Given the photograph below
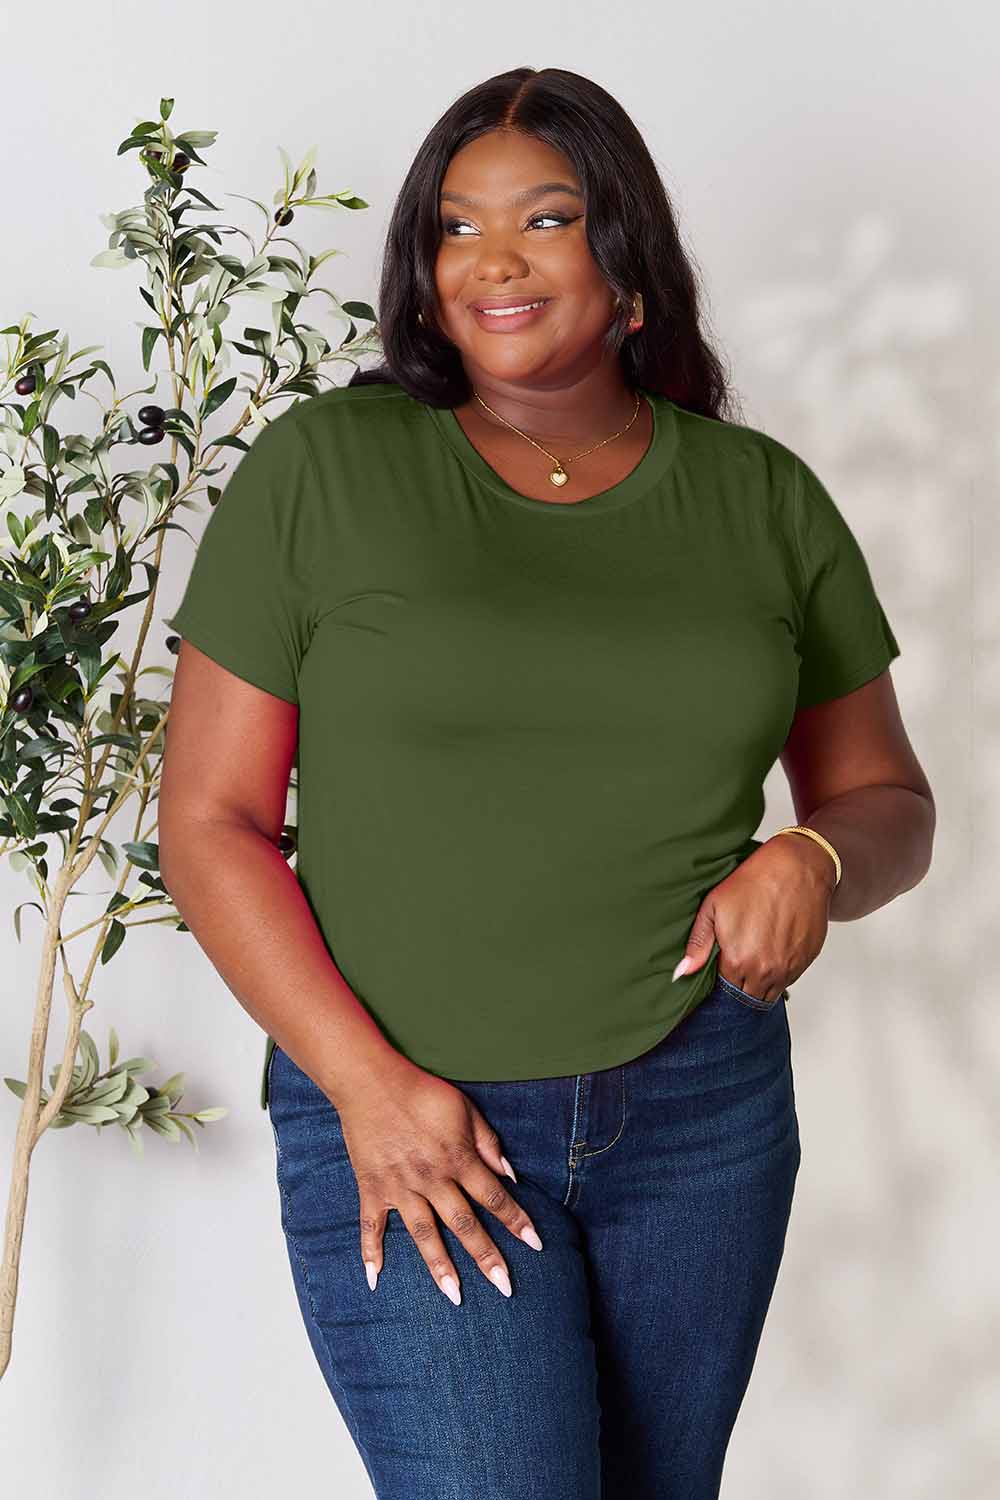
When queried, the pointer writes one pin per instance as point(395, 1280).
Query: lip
point(510, 321)
point(512, 299)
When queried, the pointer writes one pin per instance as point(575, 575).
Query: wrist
point(810, 858)
point(373, 1064)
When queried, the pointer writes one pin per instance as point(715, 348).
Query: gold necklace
point(559, 475)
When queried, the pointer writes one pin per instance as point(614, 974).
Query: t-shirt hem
point(566, 1067)
point(570, 1065)
point(873, 667)
point(229, 656)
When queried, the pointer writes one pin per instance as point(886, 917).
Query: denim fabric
point(661, 1189)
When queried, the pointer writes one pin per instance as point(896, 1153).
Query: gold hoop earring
point(636, 320)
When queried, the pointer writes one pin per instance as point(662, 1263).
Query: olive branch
point(81, 736)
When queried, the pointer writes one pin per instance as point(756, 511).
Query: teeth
point(505, 312)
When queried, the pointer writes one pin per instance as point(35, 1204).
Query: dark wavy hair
point(631, 230)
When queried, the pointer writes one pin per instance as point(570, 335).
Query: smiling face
point(508, 234)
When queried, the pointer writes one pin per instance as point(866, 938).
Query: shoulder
point(733, 448)
point(359, 412)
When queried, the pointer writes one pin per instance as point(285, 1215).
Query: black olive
point(173, 643)
point(148, 435)
point(25, 385)
point(22, 700)
point(151, 416)
point(284, 216)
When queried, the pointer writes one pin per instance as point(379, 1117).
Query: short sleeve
point(247, 601)
point(846, 639)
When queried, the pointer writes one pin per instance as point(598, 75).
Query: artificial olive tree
point(82, 715)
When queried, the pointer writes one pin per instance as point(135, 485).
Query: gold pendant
point(559, 476)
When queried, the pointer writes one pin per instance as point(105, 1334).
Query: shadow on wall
point(881, 378)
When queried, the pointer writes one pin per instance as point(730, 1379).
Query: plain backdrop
point(835, 175)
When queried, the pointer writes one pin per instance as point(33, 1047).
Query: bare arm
point(229, 752)
point(249, 914)
point(854, 777)
point(416, 1142)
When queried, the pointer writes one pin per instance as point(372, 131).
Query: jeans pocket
point(752, 1001)
point(268, 1073)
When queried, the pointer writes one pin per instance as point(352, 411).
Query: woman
point(536, 619)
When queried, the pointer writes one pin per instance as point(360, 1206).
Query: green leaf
point(217, 396)
point(149, 337)
point(173, 1088)
point(24, 819)
point(216, 1112)
point(199, 137)
point(17, 915)
point(50, 445)
point(91, 1057)
point(138, 1065)
point(113, 258)
point(92, 1114)
point(109, 1090)
point(113, 941)
point(359, 310)
point(145, 855)
point(38, 749)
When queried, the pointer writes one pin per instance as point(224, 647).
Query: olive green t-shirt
point(532, 735)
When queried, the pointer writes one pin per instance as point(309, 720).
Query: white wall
point(831, 169)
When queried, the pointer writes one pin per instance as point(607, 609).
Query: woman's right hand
point(418, 1144)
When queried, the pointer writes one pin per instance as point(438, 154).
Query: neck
point(570, 413)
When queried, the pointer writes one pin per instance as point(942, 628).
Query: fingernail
point(682, 967)
point(499, 1275)
point(371, 1272)
point(507, 1167)
point(449, 1286)
point(530, 1237)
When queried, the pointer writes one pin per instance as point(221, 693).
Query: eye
point(450, 225)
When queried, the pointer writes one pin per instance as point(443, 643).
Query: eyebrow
point(526, 196)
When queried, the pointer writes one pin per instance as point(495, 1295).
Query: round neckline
point(651, 467)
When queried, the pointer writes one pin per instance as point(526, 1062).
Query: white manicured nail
point(371, 1273)
point(449, 1286)
point(502, 1280)
point(682, 967)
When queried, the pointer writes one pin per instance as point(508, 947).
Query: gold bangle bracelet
point(819, 839)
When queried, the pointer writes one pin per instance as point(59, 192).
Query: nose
point(498, 262)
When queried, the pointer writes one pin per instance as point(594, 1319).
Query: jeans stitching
point(598, 1149)
point(752, 1002)
point(294, 1245)
point(574, 1145)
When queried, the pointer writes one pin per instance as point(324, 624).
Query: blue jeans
point(661, 1190)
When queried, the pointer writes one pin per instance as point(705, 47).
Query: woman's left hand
point(769, 917)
